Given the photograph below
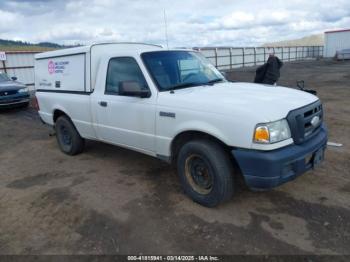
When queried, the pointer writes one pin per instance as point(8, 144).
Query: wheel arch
point(183, 137)
point(57, 113)
point(188, 135)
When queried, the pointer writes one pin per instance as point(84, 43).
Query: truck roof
point(87, 58)
point(138, 47)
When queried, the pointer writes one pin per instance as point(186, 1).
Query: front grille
point(8, 93)
point(9, 101)
point(303, 121)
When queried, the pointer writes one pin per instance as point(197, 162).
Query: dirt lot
point(110, 200)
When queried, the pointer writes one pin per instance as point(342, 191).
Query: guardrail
point(21, 63)
point(234, 57)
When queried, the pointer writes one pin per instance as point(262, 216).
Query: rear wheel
point(205, 172)
point(68, 138)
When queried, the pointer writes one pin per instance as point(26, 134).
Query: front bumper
point(14, 100)
point(268, 169)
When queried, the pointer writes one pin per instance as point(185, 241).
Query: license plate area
point(315, 158)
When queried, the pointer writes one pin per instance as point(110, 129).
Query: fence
point(225, 58)
point(21, 65)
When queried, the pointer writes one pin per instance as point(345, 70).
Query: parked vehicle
point(12, 93)
point(175, 105)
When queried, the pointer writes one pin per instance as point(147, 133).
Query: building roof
point(337, 31)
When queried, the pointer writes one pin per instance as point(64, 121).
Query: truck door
point(123, 106)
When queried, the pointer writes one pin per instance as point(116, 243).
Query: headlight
point(272, 132)
point(23, 90)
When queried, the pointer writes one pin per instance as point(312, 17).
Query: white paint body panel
point(67, 71)
point(227, 111)
point(126, 121)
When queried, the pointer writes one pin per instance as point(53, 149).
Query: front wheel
point(205, 172)
point(68, 138)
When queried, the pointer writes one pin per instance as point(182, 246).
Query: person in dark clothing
point(260, 73)
point(269, 72)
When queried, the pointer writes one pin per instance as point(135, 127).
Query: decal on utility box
point(68, 71)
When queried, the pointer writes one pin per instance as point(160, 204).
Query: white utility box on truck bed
point(175, 105)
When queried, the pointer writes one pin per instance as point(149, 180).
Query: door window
point(124, 71)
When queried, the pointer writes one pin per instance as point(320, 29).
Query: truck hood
point(10, 86)
point(269, 103)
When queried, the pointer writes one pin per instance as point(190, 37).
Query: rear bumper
point(268, 169)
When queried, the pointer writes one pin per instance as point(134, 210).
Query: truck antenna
point(166, 30)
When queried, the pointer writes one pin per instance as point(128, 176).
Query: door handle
point(103, 103)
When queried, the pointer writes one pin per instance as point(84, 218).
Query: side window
point(124, 71)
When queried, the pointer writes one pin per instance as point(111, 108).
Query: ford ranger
point(176, 106)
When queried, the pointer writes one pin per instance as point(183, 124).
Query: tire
point(68, 138)
point(205, 172)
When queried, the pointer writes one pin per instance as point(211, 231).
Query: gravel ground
point(109, 200)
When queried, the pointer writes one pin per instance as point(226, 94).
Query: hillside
point(11, 45)
point(305, 41)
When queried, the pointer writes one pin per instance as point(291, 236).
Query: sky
point(190, 23)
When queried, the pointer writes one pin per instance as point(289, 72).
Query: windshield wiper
point(183, 85)
point(190, 84)
point(216, 80)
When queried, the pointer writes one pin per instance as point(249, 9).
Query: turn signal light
point(262, 135)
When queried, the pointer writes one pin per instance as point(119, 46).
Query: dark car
point(12, 93)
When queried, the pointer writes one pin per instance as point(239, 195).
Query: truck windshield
point(4, 77)
point(180, 69)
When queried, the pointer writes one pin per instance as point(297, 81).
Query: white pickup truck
point(175, 105)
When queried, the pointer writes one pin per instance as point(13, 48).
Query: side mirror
point(133, 88)
point(14, 78)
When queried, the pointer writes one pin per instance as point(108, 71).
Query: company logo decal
point(51, 67)
point(57, 67)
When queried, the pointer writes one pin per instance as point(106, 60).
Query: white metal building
point(335, 41)
point(19, 64)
